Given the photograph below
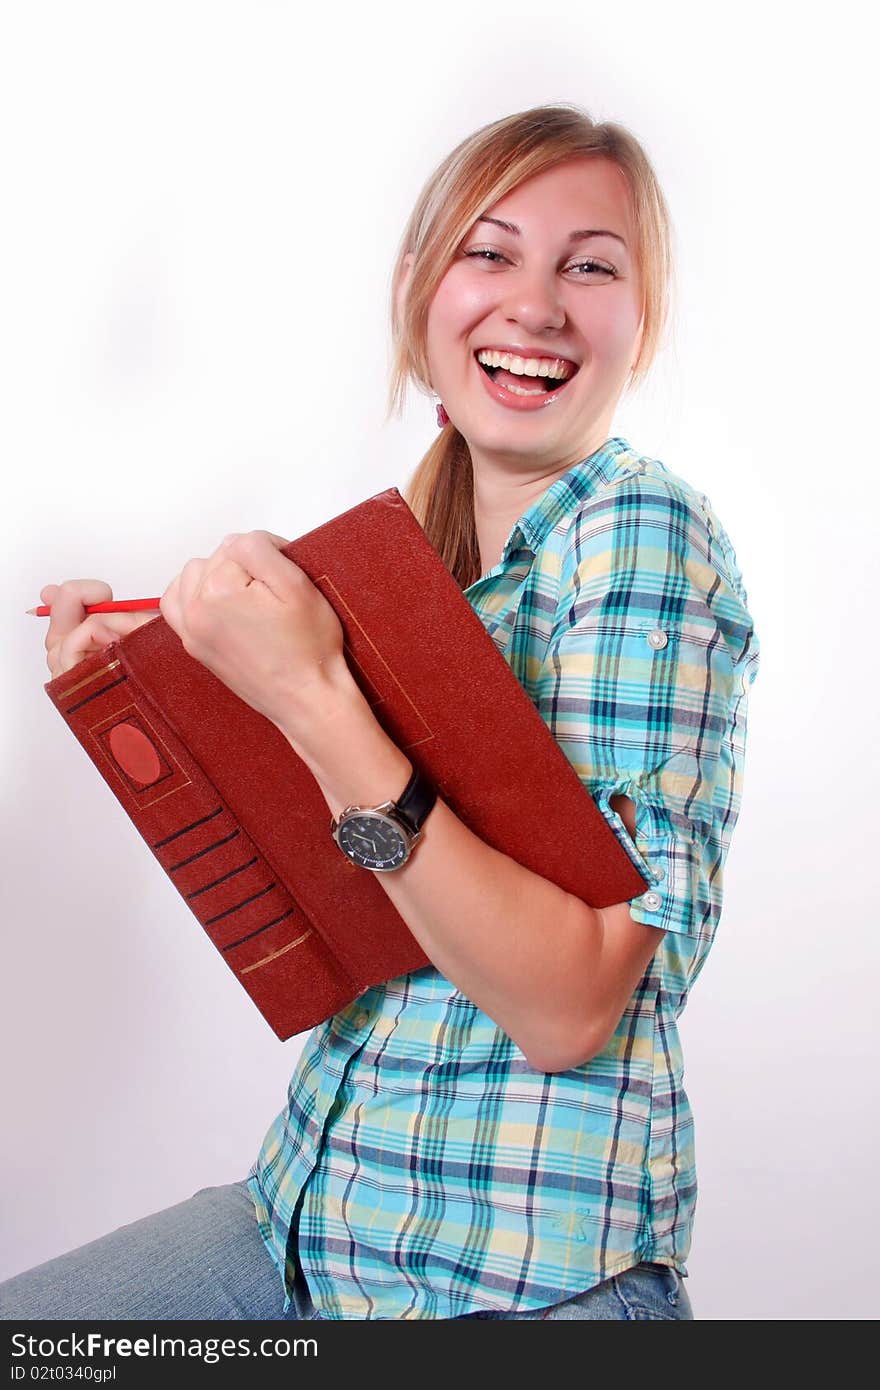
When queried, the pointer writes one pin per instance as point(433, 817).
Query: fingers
point(188, 604)
point(258, 553)
point(240, 558)
point(180, 593)
point(228, 570)
point(69, 602)
point(97, 630)
point(198, 577)
point(189, 579)
point(224, 578)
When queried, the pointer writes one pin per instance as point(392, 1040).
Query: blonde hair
point(478, 173)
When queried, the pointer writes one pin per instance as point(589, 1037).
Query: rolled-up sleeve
point(645, 685)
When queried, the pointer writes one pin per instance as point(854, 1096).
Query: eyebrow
point(583, 235)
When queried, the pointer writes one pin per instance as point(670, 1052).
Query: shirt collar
point(564, 495)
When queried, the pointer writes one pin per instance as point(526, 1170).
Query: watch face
point(372, 840)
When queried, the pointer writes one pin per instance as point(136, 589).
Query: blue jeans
point(204, 1259)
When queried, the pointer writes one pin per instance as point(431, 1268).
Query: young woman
point(504, 1133)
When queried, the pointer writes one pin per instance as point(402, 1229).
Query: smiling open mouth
point(521, 385)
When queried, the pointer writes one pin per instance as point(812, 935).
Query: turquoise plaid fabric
point(427, 1170)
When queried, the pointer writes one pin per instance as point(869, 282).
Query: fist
point(74, 634)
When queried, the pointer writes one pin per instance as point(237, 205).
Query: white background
point(201, 206)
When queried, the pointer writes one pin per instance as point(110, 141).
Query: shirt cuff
point(671, 864)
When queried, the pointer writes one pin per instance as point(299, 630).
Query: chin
point(527, 430)
point(505, 445)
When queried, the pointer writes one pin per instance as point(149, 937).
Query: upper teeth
point(527, 366)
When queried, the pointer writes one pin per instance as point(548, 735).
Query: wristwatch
point(383, 837)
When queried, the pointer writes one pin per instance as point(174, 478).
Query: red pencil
point(123, 605)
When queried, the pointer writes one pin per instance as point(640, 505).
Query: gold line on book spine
point(275, 954)
point(93, 677)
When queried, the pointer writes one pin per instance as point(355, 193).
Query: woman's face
point(539, 293)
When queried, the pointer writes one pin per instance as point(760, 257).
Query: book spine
point(249, 914)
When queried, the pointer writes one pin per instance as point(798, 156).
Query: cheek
point(613, 326)
point(459, 304)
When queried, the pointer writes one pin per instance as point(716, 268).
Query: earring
point(442, 417)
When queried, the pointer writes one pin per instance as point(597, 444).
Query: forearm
point(519, 947)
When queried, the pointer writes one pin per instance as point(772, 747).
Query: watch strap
point(416, 801)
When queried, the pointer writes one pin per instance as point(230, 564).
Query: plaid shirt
point(440, 1174)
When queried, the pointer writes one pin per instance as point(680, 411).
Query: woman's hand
point(73, 634)
point(258, 622)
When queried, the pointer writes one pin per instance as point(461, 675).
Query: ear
point(403, 283)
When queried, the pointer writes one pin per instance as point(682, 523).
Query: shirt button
point(657, 638)
point(361, 1018)
point(652, 901)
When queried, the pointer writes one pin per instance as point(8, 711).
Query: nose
point(532, 298)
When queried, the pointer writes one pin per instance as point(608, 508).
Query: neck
point(503, 493)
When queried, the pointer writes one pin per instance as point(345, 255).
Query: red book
point(238, 822)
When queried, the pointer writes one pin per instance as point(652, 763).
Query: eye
point(597, 267)
point(484, 251)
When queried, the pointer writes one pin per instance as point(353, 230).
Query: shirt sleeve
point(644, 686)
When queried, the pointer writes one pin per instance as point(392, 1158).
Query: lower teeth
point(521, 391)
